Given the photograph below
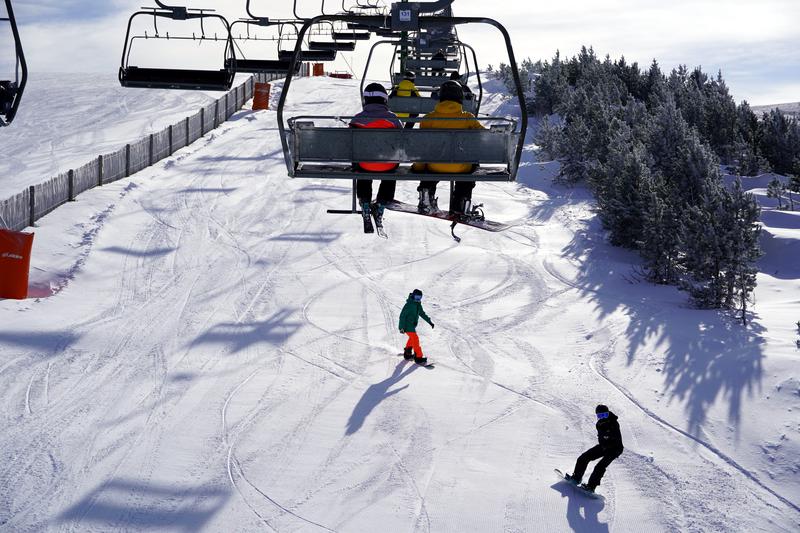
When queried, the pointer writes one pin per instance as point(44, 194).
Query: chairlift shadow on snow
point(321, 237)
point(375, 394)
point(236, 336)
point(157, 252)
point(209, 190)
point(709, 356)
point(45, 343)
point(582, 511)
point(133, 504)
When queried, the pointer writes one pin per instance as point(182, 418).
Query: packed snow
point(206, 349)
point(68, 119)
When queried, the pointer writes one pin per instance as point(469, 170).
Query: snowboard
point(477, 220)
point(429, 364)
point(577, 487)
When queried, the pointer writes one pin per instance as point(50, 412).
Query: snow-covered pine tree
point(793, 186)
point(661, 234)
point(622, 195)
point(742, 243)
point(776, 189)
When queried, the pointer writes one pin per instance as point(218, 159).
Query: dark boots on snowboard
point(407, 353)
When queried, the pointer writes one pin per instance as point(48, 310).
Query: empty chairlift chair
point(11, 90)
point(286, 31)
point(179, 78)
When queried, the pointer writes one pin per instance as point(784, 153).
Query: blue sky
point(755, 44)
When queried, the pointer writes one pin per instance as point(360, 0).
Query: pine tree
point(742, 239)
point(776, 189)
point(661, 234)
point(793, 186)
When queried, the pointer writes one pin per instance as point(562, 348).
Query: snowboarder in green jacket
point(409, 318)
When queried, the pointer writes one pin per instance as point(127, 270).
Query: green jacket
point(409, 316)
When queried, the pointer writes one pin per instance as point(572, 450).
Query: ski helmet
point(451, 91)
point(417, 294)
point(601, 409)
point(408, 75)
point(375, 93)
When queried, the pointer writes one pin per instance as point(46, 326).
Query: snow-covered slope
point(217, 353)
point(68, 119)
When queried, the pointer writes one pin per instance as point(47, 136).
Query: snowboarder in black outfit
point(609, 448)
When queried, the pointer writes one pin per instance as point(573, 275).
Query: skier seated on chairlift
point(455, 76)
point(405, 89)
point(438, 56)
point(451, 98)
point(375, 114)
point(609, 448)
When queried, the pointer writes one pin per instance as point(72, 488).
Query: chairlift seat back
point(160, 78)
point(265, 66)
point(423, 81)
point(422, 105)
point(332, 150)
point(308, 55)
point(431, 64)
point(351, 36)
point(340, 46)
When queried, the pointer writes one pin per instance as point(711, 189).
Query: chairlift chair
point(314, 151)
point(176, 78)
point(262, 66)
point(11, 90)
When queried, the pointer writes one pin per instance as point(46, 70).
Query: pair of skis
point(369, 227)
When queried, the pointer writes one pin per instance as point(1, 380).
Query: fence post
point(216, 114)
point(127, 160)
point(32, 205)
point(150, 155)
point(171, 151)
point(100, 171)
point(202, 120)
point(71, 185)
point(187, 131)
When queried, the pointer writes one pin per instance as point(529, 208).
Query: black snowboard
point(578, 488)
point(429, 364)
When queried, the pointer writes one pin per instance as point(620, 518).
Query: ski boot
point(407, 353)
point(377, 209)
point(421, 360)
point(569, 479)
point(587, 488)
point(427, 203)
point(366, 216)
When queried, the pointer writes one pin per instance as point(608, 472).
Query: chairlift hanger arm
point(21, 71)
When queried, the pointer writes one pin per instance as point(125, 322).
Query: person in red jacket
point(409, 318)
point(375, 114)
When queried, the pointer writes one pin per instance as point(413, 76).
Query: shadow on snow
point(130, 504)
point(582, 511)
point(375, 394)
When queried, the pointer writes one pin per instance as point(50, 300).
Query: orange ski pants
point(413, 342)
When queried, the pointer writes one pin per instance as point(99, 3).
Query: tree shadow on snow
point(374, 395)
point(582, 511)
point(132, 505)
point(708, 355)
point(236, 336)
